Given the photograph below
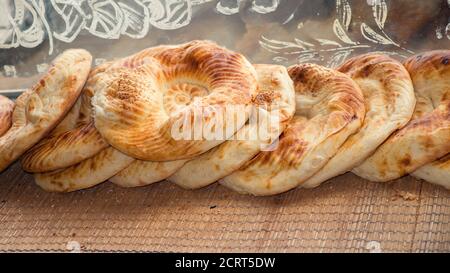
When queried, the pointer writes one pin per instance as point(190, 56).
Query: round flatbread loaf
point(329, 108)
point(426, 137)
point(134, 112)
point(274, 103)
point(389, 102)
point(90, 171)
point(41, 108)
point(74, 139)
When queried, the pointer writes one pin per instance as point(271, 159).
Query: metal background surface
point(33, 32)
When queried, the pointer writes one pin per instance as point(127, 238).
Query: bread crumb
point(407, 196)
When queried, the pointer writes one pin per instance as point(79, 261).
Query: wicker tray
point(347, 215)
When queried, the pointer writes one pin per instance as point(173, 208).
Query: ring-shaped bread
point(40, 109)
point(389, 101)
point(103, 164)
point(273, 107)
point(6, 110)
point(426, 137)
point(131, 112)
point(329, 108)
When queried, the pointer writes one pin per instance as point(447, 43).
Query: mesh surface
point(347, 215)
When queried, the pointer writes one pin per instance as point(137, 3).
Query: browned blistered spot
point(94, 163)
point(446, 97)
point(289, 152)
point(406, 161)
point(427, 62)
point(444, 161)
point(248, 176)
point(365, 71)
point(221, 155)
point(70, 82)
point(31, 106)
point(217, 167)
point(57, 183)
point(275, 81)
point(384, 166)
point(297, 75)
point(63, 136)
point(81, 116)
point(427, 142)
point(42, 82)
point(364, 65)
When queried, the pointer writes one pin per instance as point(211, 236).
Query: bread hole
point(181, 94)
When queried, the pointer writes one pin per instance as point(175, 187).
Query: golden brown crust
point(75, 138)
point(142, 173)
point(329, 108)
point(130, 113)
point(64, 149)
point(85, 174)
point(6, 110)
point(436, 172)
point(275, 101)
point(426, 137)
point(38, 111)
point(389, 100)
point(430, 62)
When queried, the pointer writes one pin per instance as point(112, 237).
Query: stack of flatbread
point(197, 113)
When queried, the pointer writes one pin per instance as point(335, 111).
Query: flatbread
point(40, 109)
point(329, 108)
point(389, 102)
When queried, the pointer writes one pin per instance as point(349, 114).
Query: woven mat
point(347, 215)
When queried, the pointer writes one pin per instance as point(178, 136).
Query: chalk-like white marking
point(260, 8)
point(344, 12)
point(229, 9)
point(439, 34)
point(15, 32)
point(373, 2)
point(447, 31)
point(24, 23)
point(344, 45)
point(170, 14)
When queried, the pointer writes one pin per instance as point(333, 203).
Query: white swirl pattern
point(107, 19)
